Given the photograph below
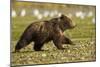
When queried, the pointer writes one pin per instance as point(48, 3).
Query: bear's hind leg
point(38, 46)
point(21, 44)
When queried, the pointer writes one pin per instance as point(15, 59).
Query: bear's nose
point(73, 25)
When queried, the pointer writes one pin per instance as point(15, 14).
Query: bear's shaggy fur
point(45, 31)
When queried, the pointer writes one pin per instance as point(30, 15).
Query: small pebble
point(68, 51)
point(83, 58)
point(44, 55)
point(63, 58)
point(92, 42)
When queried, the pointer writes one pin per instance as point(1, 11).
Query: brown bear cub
point(45, 31)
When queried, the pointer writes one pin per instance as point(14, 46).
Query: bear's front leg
point(57, 40)
point(38, 46)
point(67, 41)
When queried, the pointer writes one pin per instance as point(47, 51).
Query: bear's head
point(65, 23)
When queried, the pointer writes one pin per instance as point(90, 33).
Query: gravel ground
point(84, 50)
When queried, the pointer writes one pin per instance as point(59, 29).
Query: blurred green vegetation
point(53, 6)
point(85, 28)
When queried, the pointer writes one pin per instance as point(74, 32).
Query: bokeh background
point(24, 13)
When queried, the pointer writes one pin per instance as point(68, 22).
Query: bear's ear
point(62, 16)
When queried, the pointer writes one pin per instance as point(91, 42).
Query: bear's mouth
point(73, 26)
